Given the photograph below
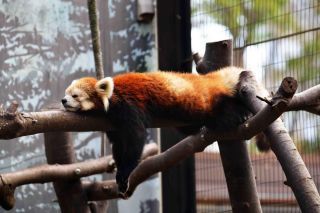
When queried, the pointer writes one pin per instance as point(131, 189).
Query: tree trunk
point(59, 150)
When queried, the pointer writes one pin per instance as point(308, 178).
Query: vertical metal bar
point(174, 42)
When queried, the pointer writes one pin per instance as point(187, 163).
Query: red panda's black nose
point(63, 101)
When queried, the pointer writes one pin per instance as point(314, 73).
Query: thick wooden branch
point(101, 190)
point(59, 149)
point(16, 124)
point(199, 141)
point(58, 173)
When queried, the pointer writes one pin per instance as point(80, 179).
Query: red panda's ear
point(105, 87)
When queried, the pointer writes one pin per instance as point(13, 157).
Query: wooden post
point(59, 149)
point(234, 154)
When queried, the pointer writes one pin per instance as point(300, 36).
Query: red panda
point(132, 99)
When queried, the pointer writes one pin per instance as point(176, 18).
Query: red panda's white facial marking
point(104, 88)
point(76, 98)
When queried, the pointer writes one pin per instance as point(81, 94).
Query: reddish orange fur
point(203, 93)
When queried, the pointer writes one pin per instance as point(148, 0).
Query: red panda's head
point(87, 94)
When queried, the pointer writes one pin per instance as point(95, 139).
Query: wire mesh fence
point(274, 39)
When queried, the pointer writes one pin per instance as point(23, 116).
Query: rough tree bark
point(16, 124)
point(234, 154)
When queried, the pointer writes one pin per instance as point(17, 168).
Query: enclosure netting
point(275, 39)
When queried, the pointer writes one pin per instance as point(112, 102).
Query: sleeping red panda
point(132, 99)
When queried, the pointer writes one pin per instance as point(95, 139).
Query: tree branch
point(298, 176)
point(108, 189)
point(101, 190)
point(16, 124)
point(95, 35)
point(66, 172)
